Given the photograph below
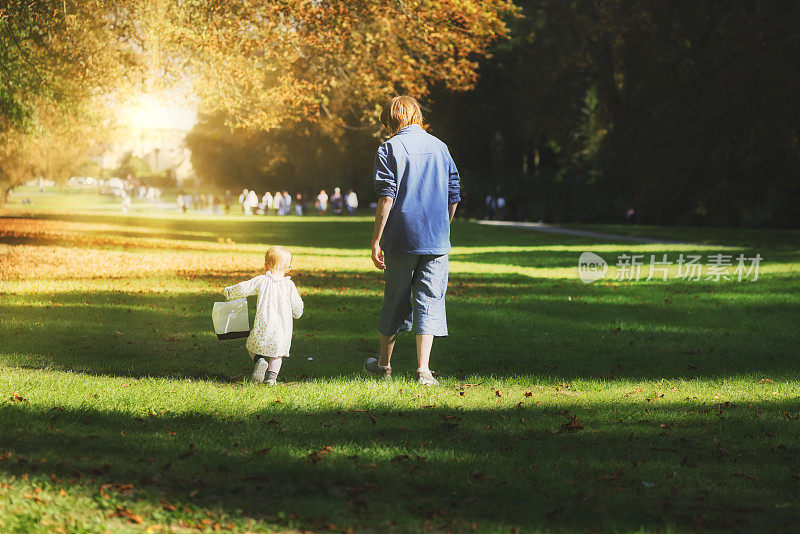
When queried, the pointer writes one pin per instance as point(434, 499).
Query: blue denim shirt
point(416, 170)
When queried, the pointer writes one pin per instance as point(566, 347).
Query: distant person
point(227, 200)
point(287, 203)
point(278, 304)
point(250, 202)
point(630, 215)
point(266, 203)
point(298, 204)
point(337, 204)
point(500, 203)
point(182, 201)
point(419, 188)
point(490, 207)
point(126, 203)
point(351, 200)
point(322, 202)
point(242, 198)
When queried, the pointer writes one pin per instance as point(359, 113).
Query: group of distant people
point(282, 203)
point(278, 203)
point(337, 202)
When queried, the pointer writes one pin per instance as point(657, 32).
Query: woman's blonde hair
point(401, 111)
point(278, 259)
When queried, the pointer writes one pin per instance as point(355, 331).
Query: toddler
point(278, 303)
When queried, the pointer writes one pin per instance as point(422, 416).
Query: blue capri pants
point(414, 294)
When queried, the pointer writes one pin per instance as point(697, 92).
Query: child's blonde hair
point(278, 259)
point(400, 112)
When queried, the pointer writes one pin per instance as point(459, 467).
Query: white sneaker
point(259, 370)
point(426, 378)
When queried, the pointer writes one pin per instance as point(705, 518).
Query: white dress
point(278, 303)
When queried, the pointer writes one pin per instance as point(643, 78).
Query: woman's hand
point(377, 256)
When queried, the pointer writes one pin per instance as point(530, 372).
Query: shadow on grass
point(499, 325)
point(621, 466)
point(324, 232)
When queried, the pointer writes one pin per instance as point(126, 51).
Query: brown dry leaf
point(316, 456)
point(766, 381)
point(529, 393)
point(572, 423)
point(498, 393)
point(17, 398)
point(168, 507)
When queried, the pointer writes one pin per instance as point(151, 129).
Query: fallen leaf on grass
point(168, 507)
point(126, 513)
point(316, 456)
point(529, 393)
point(498, 393)
point(766, 381)
point(17, 398)
point(572, 424)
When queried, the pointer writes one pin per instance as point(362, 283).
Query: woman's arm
point(381, 215)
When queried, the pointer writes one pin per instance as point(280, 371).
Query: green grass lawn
point(617, 406)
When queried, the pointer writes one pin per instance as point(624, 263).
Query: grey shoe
point(259, 370)
point(374, 368)
point(426, 378)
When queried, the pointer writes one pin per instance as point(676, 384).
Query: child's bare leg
point(275, 365)
point(387, 346)
point(424, 345)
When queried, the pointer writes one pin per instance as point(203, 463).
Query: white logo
point(591, 267)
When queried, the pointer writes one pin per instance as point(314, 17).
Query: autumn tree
point(60, 61)
point(267, 64)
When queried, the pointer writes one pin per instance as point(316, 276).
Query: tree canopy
point(575, 110)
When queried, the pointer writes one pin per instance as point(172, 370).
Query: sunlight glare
point(163, 112)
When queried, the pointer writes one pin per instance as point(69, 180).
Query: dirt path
point(549, 229)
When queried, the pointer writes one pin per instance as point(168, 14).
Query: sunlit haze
point(158, 112)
